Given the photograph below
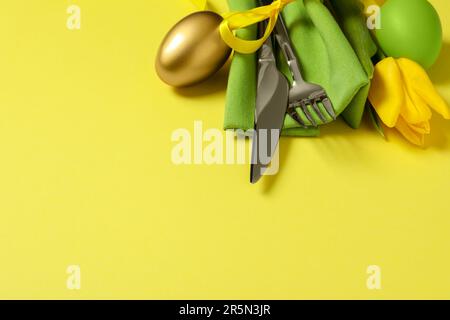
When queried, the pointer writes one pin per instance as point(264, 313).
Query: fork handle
point(284, 42)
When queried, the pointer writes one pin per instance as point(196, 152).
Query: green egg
point(410, 29)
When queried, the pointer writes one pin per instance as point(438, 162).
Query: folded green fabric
point(241, 91)
point(325, 55)
point(350, 16)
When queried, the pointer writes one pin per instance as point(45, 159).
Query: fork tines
point(313, 100)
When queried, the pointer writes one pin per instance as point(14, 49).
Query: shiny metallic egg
point(192, 50)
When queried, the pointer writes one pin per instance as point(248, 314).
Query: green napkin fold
point(350, 16)
point(241, 92)
point(325, 55)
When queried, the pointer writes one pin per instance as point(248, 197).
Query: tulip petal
point(419, 81)
point(422, 127)
point(415, 109)
point(386, 93)
point(410, 134)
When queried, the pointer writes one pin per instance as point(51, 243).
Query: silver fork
point(303, 95)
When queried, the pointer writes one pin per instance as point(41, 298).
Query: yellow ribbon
point(238, 20)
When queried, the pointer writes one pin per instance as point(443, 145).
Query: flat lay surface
point(87, 178)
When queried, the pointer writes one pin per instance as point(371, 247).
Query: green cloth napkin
point(241, 91)
point(325, 55)
point(350, 16)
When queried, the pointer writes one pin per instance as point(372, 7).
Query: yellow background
point(86, 178)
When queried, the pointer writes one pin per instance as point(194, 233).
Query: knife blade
point(271, 105)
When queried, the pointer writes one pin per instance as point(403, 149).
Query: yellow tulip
point(402, 95)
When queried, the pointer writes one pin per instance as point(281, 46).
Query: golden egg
point(192, 50)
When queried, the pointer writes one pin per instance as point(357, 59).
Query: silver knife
point(271, 105)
